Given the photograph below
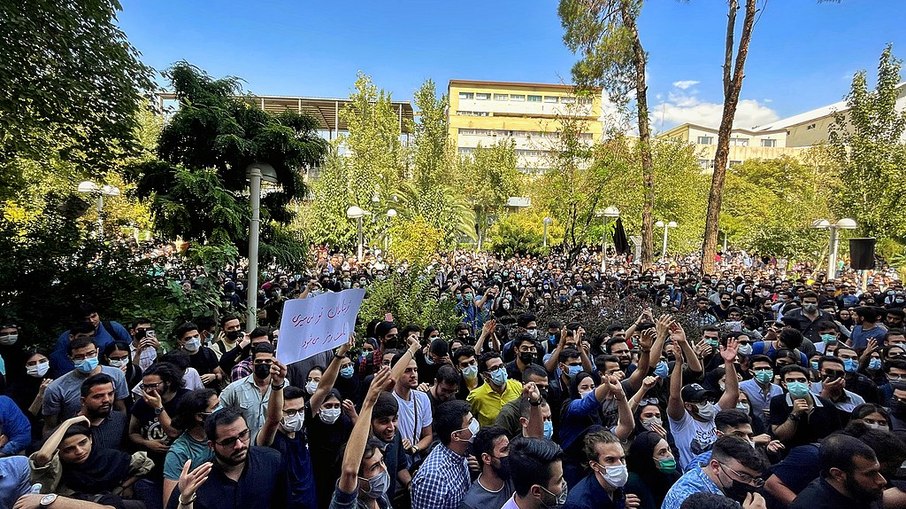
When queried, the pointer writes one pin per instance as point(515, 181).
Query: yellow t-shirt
point(486, 402)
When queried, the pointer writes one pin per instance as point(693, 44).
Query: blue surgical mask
point(797, 389)
point(850, 365)
point(346, 371)
point(499, 377)
point(548, 429)
point(764, 376)
point(829, 338)
point(574, 370)
point(815, 365)
point(874, 364)
point(87, 365)
point(662, 369)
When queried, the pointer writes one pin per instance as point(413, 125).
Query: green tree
point(487, 177)
point(570, 189)
point(197, 187)
point(770, 204)
point(606, 32)
point(411, 297)
point(429, 194)
point(522, 233)
point(364, 167)
point(866, 141)
point(72, 86)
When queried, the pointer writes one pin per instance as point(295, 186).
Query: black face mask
point(503, 471)
point(527, 357)
point(232, 335)
point(737, 491)
point(262, 370)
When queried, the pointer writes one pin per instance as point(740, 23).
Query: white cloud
point(685, 84)
point(685, 107)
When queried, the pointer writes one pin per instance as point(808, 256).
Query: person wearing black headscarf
point(67, 464)
point(652, 469)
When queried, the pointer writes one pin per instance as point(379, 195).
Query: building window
point(501, 97)
point(739, 142)
point(482, 97)
point(517, 97)
point(466, 95)
point(705, 140)
point(551, 99)
point(810, 127)
point(472, 113)
point(534, 98)
point(706, 164)
point(585, 100)
point(768, 143)
point(568, 100)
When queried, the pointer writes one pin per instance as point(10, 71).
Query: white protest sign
point(317, 324)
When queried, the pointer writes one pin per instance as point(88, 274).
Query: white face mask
point(311, 386)
point(39, 369)
point(616, 475)
point(9, 339)
point(119, 363)
point(329, 415)
point(293, 423)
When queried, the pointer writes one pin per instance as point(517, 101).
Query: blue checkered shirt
point(442, 481)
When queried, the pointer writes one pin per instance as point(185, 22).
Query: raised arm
point(679, 339)
point(46, 452)
point(535, 426)
point(584, 347)
point(355, 448)
point(731, 390)
point(400, 367)
point(274, 411)
point(662, 330)
point(647, 383)
point(645, 343)
point(675, 407)
point(625, 420)
point(328, 378)
point(486, 330)
point(551, 363)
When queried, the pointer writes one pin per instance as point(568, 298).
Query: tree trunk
point(732, 88)
point(640, 61)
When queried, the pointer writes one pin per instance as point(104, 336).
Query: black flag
point(620, 243)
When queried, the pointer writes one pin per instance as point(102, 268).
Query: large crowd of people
point(760, 386)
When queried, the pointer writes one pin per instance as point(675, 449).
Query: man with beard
point(493, 487)
point(443, 479)
point(850, 477)
point(243, 475)
point(231, 328)
point(108, 427)
point(603, 487)
point(734, 470)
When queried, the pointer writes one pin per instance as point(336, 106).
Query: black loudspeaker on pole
point(862, 253)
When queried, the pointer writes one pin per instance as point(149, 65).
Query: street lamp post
point(357, 213)
point(89, 187)
point(391, 213)
point(666, 227)
point(843, 224)
point(256, 172)
point(610, 211)
point(547, 222)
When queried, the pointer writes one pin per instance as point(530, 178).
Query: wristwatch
point(158, 411)
point(48, 499)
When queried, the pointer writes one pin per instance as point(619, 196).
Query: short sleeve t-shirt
point(63, 395)
point(692, 437)
point(183, 449)
point(414, 415)
point(479, 497)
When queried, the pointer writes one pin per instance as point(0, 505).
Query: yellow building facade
point(745, 144)
point(483, 113)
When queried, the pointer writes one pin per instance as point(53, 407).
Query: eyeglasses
point(151, 387)
point(80, 358)
point(231, 441)
point(756, 482)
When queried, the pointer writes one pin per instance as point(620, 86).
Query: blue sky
point(802, 56)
